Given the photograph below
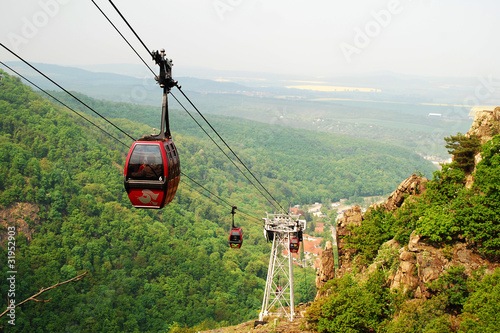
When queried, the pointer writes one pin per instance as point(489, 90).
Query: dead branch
point(42, 290)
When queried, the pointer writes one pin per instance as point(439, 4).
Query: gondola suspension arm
point(166, 82)
point(233, 211)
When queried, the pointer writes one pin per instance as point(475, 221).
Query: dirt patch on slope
point(18, 215)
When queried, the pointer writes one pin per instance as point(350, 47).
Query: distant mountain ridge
point(73, 78)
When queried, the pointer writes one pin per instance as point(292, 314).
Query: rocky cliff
point(419, 261)
point(486, 124)
point(326, 269)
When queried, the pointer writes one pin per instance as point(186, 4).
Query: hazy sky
point(315, 37)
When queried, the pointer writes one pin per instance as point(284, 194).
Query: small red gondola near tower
point(294, 245)
point(152, 169)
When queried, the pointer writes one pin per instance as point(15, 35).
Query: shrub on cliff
point(481, 311)
point(352, 306)
point(463, 148)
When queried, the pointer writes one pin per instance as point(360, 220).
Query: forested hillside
point(397, 115)
point(62, 187)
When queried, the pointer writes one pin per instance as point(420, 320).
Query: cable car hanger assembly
point(166, 82)
point(152, 169)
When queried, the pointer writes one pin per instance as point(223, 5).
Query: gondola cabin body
point(152, 173)
point(236, 238)
point(294, 245)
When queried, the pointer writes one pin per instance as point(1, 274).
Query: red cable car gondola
point(236, 234)
point(152, 169)
point(152, 173)
point(236, 238)
point(294, 245)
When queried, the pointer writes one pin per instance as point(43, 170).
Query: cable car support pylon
point(281, 229)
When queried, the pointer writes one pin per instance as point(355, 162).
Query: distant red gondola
point(236, 234)
point(152, 173)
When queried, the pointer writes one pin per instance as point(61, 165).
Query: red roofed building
point(296, 211)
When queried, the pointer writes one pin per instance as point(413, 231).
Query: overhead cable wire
point(220, 148)
point(88, 120)
point(149, 52)
point(125, 39)
point(66, 91)
point(132, 29)
point(215, 195)
point(213, 129)
point(62, 103)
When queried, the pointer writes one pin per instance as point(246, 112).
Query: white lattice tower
point(279, 294)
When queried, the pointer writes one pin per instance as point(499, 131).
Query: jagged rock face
point(423, 263)
point(413, 185)
point(419, 263)
point(405, 275)
point(486, 124)
point(326, 270)
point(351, 217)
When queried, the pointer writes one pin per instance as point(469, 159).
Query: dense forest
point(154, 270)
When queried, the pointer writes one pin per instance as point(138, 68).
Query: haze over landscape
point(306, 39)
point(333, 105)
